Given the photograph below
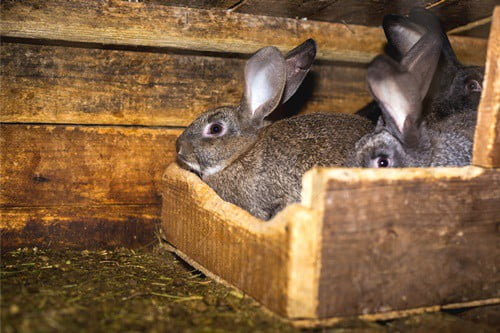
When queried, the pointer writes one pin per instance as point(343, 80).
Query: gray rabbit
point(455, 87)
point(402, 138)
point(259, 165)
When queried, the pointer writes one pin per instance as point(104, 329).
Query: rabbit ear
point(394, 90)
point(298, 62)
point(402, 33)
point(422, 59)
point(265, 78)
point(429, 20)
point(400, 88)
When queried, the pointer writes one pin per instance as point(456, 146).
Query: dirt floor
point(153, 291)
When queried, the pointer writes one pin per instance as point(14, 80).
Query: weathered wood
point(355, 246)
point(81, 165)
point(400, 239)
point(227, 238)
point(259, 258)
point(487, 137)
point(125, 23)
point(452, 13)
point(53, 84)
point(79, 227)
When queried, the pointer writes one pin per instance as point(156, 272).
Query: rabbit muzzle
point(185, 156)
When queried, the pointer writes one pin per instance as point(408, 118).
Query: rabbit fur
point(455, 87)
point(402, 138)
point(257, 165)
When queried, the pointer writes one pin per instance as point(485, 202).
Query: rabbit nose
point(182, 148)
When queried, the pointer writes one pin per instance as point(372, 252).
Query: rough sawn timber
point(407, 238)
point(79, 227)
point(139, 24)
point(487, 138)
point(75, 85)
point(81, 186)
point(52, 165)
point(273, 262)
point(378, 244)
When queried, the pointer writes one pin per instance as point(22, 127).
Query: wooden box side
point(250, 254)
point(397, 240)
point(487, 137)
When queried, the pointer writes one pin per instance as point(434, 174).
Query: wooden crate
point(375, 243)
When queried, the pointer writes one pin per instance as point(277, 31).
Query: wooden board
point(58, 183)
point(139, 24)
point(399, 239)
point(274, 262)
point(453, 13)
point(225, 238)
point(73, 85)
point(487, 137)
point(79, 227)
point(43, 165)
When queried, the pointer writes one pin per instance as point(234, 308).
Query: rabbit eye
point(473, 86)
point(382, 162)
point(214, 129)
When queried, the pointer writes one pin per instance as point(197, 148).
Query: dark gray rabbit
point(402, 138)
point(455, 87)
point(257, 165)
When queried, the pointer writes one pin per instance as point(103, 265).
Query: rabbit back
point(269, 175)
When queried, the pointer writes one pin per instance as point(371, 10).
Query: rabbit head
point(400, 137)
point(455, 87)
point(217, 137)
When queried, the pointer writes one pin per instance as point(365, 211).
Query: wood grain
point(54, 84)
point(223, 239)
point(125, 23)
point(401, 239)
point(453, 13)
point(43, 165)
point(79, 227)
point(487, 136)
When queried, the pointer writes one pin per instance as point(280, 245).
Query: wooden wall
point(94, 94)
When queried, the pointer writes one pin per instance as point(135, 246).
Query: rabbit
point(259, 165)
point(455, 87)
point(402, 138)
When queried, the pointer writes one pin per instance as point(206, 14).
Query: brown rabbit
point(258, 166)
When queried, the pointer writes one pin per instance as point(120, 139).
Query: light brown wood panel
point(224, 239)
point(487, 137)
point(54, 84)
point(79, 227)
point(399, 239)
point(44, 165)
point(125, 23)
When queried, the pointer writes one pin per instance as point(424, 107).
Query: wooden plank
point(275, 262)
point(44, 165)
point(79, 227)
point(224, 239)
point(53, 84)
point(125, 23)
point(408, 238)
point(487, 136)
point(453, 13)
